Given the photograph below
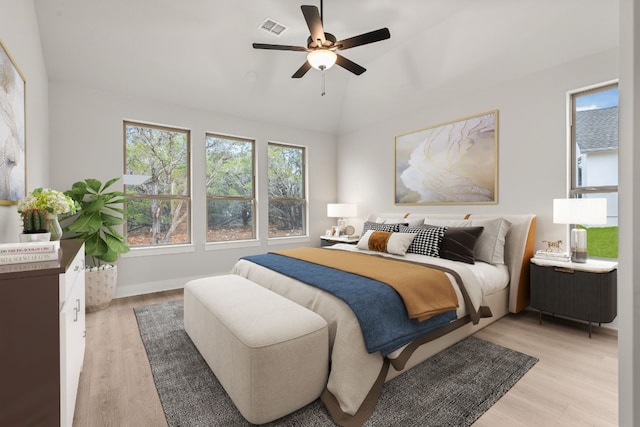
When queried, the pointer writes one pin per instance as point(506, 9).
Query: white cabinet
point(72, 335)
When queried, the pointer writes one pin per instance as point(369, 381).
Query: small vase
point(54, 227)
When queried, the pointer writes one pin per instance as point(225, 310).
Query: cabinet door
point(72, 341)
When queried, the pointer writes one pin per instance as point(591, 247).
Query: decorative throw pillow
point(458, 243)
point(393, 228)
point(490, 246)
point(427, 240)
point(385, 241)
point(411, 222)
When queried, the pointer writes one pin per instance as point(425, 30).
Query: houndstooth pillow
point(427, 240)
point(376, 226)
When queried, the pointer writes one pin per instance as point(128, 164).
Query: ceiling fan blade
point(278, 47)
point(312, 16)
point(366, 38)
point(350, 65)
point(302, 70)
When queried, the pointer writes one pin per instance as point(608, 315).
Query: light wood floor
point(575, 383)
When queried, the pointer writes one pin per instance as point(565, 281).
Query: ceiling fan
point(322, 47)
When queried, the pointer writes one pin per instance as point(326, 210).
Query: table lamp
point(576, 212)
point(342, 211)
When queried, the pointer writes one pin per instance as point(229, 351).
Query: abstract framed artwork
point(12, 130)
point(449, 163)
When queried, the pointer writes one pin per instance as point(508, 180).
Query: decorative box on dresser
point(585, 291)
point(42, 330)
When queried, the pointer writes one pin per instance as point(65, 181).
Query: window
point(287, 191)
point(157, 187)
point(230, 188)
point(594, 147)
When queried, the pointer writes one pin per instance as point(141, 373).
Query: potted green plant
point(100, 211)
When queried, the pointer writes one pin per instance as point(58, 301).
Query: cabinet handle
point(76, 310)
point(564, 270)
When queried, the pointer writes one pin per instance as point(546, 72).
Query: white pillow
point(440, 222)
point(490, 245)
point(385, 241)
point(412, 222)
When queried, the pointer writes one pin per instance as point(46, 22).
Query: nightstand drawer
point(582, 295)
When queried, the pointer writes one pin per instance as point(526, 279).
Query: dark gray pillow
point(458, 243)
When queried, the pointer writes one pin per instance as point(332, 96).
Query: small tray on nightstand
point(332, 240)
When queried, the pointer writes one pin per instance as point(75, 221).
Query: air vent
point(272, 27)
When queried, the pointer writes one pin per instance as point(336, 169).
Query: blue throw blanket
point(380, 310)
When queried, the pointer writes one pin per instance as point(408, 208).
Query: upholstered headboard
point(519, 244)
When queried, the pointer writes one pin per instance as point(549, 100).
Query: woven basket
point(100, 287)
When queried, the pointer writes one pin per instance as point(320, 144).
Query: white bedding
point(353, 370)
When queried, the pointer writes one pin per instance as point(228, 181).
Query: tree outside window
point(158, 199)
point(287, 191)
point(230, 188)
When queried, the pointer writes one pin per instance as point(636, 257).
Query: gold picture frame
point(449, 163)
point(13, 171)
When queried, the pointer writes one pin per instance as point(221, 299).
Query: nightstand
point(330, 240)
point(583, 291)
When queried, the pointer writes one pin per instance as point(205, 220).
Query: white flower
point(52, 201)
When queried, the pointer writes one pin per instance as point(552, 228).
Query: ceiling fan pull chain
point(322, 92)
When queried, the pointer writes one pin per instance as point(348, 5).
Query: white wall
point(532, 144)
point(87, 142)
point(20, 35)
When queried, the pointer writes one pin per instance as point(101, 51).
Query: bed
point(487, 291)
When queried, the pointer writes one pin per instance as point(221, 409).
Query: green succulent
point(34, 220)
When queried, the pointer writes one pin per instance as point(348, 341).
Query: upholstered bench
point(270, 354)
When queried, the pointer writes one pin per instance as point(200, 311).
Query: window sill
point(288, 240)
point(233, 244)
point(159, 250)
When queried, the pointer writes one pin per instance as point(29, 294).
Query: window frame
point(252, 199)
point(166, 247)
point(304, 199)
point(575, 190)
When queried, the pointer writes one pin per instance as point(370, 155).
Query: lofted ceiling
point(198, 53)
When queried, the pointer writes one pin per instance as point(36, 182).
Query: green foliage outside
point(286, 191)
point(229, 184)
point(602, 242)
point(157, 209)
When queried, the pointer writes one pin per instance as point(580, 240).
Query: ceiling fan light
point(322, 59)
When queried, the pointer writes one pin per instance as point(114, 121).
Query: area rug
point(453, 388)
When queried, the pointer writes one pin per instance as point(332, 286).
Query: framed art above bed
point(449, 163)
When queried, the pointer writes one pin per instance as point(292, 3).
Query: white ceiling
point(198, 53)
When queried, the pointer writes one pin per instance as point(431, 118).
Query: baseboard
point(151, 287)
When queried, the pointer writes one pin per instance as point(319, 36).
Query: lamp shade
point(322, 59)
point(589, 211)
point(342, 210)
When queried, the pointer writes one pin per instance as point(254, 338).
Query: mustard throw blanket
point(425, 291)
